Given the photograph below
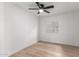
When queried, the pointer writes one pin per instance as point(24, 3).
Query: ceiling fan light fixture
point(41, 10)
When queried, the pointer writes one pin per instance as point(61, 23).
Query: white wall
point(20, 29)
point(2, 29)
point(68, 28)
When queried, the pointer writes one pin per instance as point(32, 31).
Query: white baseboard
point(64, 43)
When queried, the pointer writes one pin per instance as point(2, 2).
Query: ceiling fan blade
point(52, 6)
point(33, 8)
point(46, 11)
point(38, 4)
point(38, 12)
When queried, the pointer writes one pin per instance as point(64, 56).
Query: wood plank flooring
point(44, 49)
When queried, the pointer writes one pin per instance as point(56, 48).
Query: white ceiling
point(60, 7)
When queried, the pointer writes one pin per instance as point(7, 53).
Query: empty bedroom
point(39, 29)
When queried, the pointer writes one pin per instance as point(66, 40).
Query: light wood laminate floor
point(44, 49)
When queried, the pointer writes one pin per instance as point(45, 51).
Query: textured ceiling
point(60, 7)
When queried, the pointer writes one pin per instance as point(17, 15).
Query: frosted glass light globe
point(41, 10)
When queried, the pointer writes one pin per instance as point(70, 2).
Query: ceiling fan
point(41, 8)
